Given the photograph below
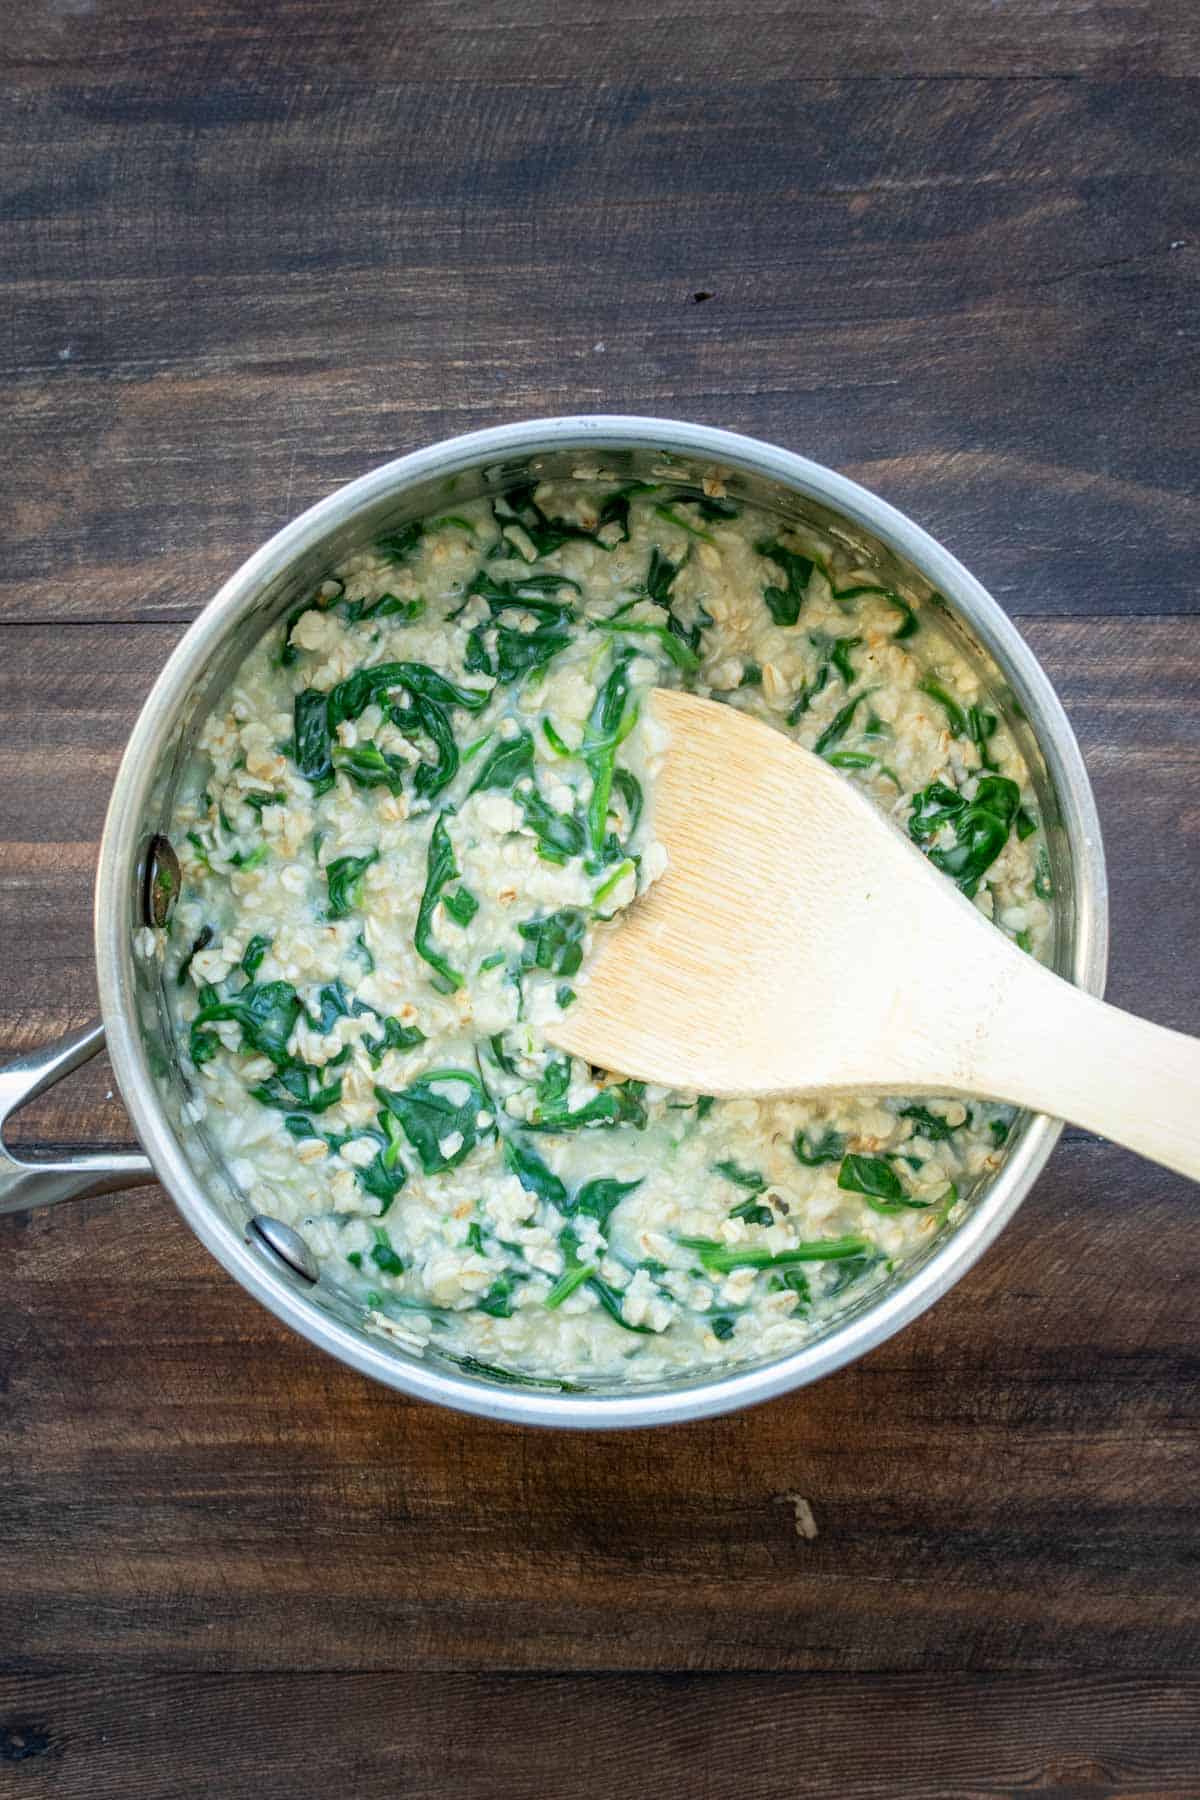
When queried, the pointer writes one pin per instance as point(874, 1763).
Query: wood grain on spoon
point(799, 943)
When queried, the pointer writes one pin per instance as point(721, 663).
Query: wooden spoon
point(799, 944)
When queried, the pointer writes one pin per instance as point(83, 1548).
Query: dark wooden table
point(250, 248)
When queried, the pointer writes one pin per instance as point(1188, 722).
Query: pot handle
point(27, 1184)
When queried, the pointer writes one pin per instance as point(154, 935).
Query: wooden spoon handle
point(1059, 1051)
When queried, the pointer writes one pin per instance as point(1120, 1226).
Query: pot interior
point(288, 569)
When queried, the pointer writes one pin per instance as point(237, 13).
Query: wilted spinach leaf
point(555, 942)
point(267, 1015)
point(385, 1174)
point(388, 606)
point(313, 742)
point(344, 876)
point(394, 1036)
point(498, 1301)
point(622, 1103)
point(660, 577)
point(528, 593)
point(784, 603)
point(461, 905)
point(559, 835)
point(383, 1255)
point(612, 718)
point(399, 545)
point(598, 1198)
point(350, 698)
point(575, 1272)
point(981, 826)
point(546, 534)
point(750, 1179)
point(932, 1125)
point(423, 717)
point(839, 656)
point(440, 869)
point(534, 1175)
point(367, 766)
point(719, 1259)
point(828, 1148)
point(509, 761)
point(840, 724)
point(440, 1108)
point(297, 1084)
point(333, 1003)
point(660, 574)
point(627, 785)
point(875, 1179)
point(709, 506)
point(974, 723)
point(253, 955)
point(753, 1212)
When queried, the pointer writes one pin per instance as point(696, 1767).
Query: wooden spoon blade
point(796, 941)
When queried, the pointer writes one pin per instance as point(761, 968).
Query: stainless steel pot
point(271, 1261)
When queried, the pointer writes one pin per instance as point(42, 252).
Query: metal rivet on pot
point(284, 1245)
point(162, 882)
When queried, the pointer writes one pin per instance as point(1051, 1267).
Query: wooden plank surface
point(249, 248)
point(976, 296)
point(254, 45)
point(1010, 1484)
point(769, 1738)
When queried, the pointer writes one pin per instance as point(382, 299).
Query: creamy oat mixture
point(420, 796)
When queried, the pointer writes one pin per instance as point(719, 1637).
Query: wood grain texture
point(224, 299)
point(249, 248)
point(1010, 1484)
point(448, 1737)
point(257, 43)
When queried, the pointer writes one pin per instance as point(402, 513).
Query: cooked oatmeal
point(422, 793)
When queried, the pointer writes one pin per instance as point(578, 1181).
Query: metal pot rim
point(120, 848)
